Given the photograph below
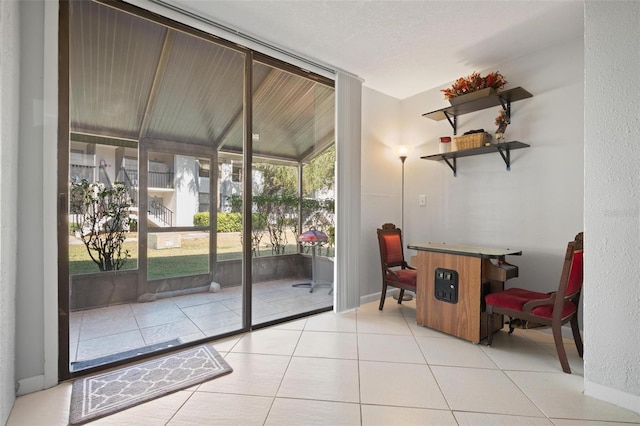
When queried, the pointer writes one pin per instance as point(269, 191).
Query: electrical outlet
point(422, 200)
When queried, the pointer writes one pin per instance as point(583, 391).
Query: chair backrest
point(390, 242)
point(572, 271)
point(574, 283)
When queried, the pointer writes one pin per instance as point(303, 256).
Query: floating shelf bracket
point(453, 120)
point(506, 156)
point(453, 166)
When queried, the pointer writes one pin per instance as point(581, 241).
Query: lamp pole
point(402, 158)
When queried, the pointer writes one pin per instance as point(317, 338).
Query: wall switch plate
point(422, 200)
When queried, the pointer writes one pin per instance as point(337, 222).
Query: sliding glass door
point(184, 220)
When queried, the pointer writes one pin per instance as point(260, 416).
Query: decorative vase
point(468, 97)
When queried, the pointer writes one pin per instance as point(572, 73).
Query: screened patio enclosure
point(225, 156)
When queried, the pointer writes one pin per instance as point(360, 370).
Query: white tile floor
point(367, 368)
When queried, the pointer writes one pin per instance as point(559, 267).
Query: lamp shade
point(313, 236)
point(402, 150)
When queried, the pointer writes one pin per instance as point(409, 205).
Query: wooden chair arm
point(528, 307)
point(407, 266)
point(392, 272)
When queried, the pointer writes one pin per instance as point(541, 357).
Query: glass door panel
point(174, 192)
point(193, 248)
point(292, 126)
point(103, 220)
point(150, 109)
point(103, 244)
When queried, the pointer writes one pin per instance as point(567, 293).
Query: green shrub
point(229, 222)
point(201, 219)
point(226, 222)
point(259, 221)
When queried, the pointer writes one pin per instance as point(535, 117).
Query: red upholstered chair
point(395, 271)
point(547, 309)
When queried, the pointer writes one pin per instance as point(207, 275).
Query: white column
point(187, 196)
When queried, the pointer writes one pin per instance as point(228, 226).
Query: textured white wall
point(381, 181)
point(9, 105)
point(536, 207)
point(612, 202)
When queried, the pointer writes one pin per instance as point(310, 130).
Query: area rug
point(107, 393)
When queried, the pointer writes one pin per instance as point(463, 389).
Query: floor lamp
point(403, 157)
point(402, 150)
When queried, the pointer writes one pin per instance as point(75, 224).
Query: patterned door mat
point(107, 393)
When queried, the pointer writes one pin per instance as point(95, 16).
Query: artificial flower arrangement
point(473, 83)
point(502, 122)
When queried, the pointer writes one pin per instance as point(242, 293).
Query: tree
point(276, 205)
point(279, 211)
point(102, 220)
point(319, 174)
point(277, 179)
point(318, 206)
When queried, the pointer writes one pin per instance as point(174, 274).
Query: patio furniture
point(313, 238)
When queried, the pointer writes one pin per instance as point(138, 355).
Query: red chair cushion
point(405, 276)
point(393, 246)
point(515, 298)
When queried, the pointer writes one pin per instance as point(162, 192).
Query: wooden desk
point(458, 309)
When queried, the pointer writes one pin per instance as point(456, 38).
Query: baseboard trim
point(30, 385)
point(375, 297)
point(613, 396)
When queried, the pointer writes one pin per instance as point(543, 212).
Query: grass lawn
point(192, 257)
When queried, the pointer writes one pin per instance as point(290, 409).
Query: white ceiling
point(401, 48)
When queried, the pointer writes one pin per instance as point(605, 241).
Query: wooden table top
point(465, 250)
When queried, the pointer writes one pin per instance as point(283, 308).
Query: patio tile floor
point(100, 332)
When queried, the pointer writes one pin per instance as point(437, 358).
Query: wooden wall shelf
point(504, 149)
point(503, 98)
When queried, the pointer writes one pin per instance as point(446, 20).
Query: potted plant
point(474, 84)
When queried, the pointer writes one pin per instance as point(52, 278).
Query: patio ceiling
point(132, 79)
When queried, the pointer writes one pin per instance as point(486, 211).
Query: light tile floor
point(96, 333)
point(367, 368)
